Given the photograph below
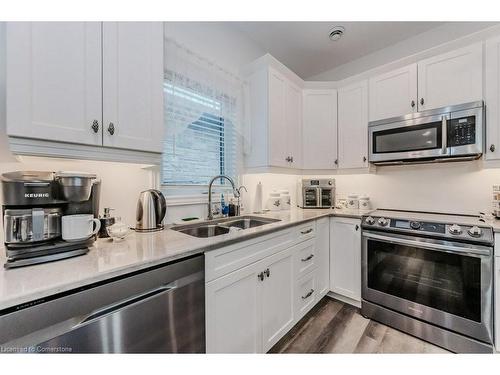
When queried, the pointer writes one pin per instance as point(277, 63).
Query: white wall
point(438, 40)
point(120, 183)
point(215, 41)
point(464, 187)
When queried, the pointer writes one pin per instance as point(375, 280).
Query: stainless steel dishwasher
point(158, 310)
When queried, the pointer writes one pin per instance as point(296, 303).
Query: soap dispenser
point(106, 221)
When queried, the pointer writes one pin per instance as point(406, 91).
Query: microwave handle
point(444, 135)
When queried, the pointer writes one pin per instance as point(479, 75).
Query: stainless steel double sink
point(222, 226)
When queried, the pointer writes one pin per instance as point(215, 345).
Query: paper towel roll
point(257, 202)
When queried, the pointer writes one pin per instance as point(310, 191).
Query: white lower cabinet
point(233, 312)
point(323, 256)
point(277, 298)
point(279, 279)
point(497, 301)
point(345, 257)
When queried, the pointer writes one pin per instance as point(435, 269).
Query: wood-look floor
point(335, 327)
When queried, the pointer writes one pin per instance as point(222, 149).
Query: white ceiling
point(306, 49)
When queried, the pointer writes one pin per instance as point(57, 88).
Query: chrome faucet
point(236, 193)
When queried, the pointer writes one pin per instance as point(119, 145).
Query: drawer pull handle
point(309, 294)
point(260, 276)
point(306, 231)
point(307, 258)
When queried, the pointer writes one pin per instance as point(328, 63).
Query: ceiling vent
point(336, 33)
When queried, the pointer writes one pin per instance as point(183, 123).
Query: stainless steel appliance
point(316, 193)
point(430, 275)
point(151, 209)
point(452, 133)
point(33, 205)
point(157, 310)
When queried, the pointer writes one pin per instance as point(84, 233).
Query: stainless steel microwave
point(451, 133)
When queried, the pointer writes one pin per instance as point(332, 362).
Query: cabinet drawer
point(305, 257)
point(222, 261)
point(305, 231)
point(305, 295)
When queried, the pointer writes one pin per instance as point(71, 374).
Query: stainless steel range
point(430, 275)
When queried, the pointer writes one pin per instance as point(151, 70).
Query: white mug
point(79, 227)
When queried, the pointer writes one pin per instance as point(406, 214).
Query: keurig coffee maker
point(33, 205)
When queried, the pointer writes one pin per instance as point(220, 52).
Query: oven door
point(311, 197)
point(424, 137)
point(444, 283)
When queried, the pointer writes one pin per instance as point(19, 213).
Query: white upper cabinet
point(492, 96)
point(276, 120)
point(452, 78)
point(394, 93)
point(278, 146)
point(353, 125)
point(293, 121)
point(133, 85)
point(54, 81)
point(319, 129)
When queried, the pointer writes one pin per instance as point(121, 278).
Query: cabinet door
point(54, 81)
point(394, 93)
point(497, 302)
point(293, 121)
point(277, 298)
point(353, 125)
point(323, 256)
point(492, 91)
point(319, 146)
point(345, 257)
point(233, 312)
point(278, 145)
point(452, 78)
point(133, 85)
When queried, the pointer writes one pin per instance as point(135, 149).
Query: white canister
point(364, 202)
point(274, 201)
point(353, 201)
point(285, 199)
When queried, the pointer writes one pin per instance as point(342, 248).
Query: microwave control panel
point(462, 131)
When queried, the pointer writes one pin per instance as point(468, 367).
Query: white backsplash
point(464, 187)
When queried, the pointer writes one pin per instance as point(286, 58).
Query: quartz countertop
point(107, 259)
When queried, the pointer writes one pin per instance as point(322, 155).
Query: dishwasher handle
point(95, 315)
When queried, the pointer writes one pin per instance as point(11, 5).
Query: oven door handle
point(444, 135)
point(437, 245)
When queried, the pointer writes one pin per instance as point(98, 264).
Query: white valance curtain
point(195, 86)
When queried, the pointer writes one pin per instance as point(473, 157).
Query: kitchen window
point(203, 119)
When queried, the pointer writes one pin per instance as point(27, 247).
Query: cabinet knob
point(95, 126)
point(111, 128)
point(288, 159)
point(291, 159)
point(492, 148)
point(364, 159)
point(267, 272)
point(356, 227)
point(260, 276)
point(413, 103)
point(422, 101)
point(336, 161)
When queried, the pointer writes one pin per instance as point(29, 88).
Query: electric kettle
point(151, 209)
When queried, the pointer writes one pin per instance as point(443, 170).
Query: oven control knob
point(370, 220)
point(415, 224)
point(475, 231)
point(455, 229)
point(383, 221)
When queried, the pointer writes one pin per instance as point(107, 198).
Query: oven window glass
point(408, 138)
point(326, 198)
point(310, 197)
point(444, 281)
